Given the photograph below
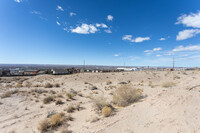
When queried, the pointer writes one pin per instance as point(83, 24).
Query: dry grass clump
point(57, 85)
point(48, 85)
point(48, 99)
point(70, 95)
point(19, 85)
point(184, 73)
point(53, 122)
point(59, 101)
point(28, 84)
point(70, 109)
point(125, 95)
point(106, 111)
point(93, 88)
point(108, 82)
point(8, 94)
point(99, 102)
point(176, 77)
point(69, 117)
point(168, 84)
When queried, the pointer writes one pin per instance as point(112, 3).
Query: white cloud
point(18, 1)
point(136, 40)
point(35, 12)
point(110, 17)
point(158, 55)
point(162, 39)
point(59, 8)
point(116, 55)
point(85, 29)
point(108, 31)
point(157, 49)
point(72, 14)
point(187, 48)
point(153, 50)
point(141, 39)
point(57, 23)
point(191, 20)
point(185, 34)
point(102, 25)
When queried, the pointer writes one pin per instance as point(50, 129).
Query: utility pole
point(173, 63)
point(84, 66)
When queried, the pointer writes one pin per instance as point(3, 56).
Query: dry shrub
point(57, 85)
point(99, 102)
point(78, 106)
point(106, 111)
point(54, 121)
point(19, 85)
point(60, 95)
point(184, 73)
point(176, 77)
point(8, 94)
point(108, 82)
point(168, 84)
point(59, 101)
point(70, 95)
point(86, 83)
point(125, 95)
point(93, 88)
point(70, 109)
point(48, 85)
point(69, 117)
point(28, 84)
point(48, 99)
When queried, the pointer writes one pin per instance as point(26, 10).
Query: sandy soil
point(172, 109)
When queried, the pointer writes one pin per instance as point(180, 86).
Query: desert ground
point(148, 102)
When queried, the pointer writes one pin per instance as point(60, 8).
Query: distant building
point(6, 73)
point(42, 72)
point(60, 71)
point(30, 72)
point(129, 69)
point(14, 71)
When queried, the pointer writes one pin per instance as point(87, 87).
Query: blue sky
point(101, 32)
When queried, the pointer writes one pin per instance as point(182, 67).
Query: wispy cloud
point(191, 20)
point(59, 8)
point(102, 25)
point(116, 55)
point(162, 39)
point(185, 34)
point(72, 14)
point(39, 14)
point(18, 1)
point(110, 17)
point(57, 23)
point(136, 40)
point(35, 12)
point(85, 29)
point(153, 50)
point(187, 48)
point(108, 30)
point(43, 18)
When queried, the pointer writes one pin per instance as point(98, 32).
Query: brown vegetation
point(125, 95)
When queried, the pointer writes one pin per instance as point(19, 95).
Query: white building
point(129, 69)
